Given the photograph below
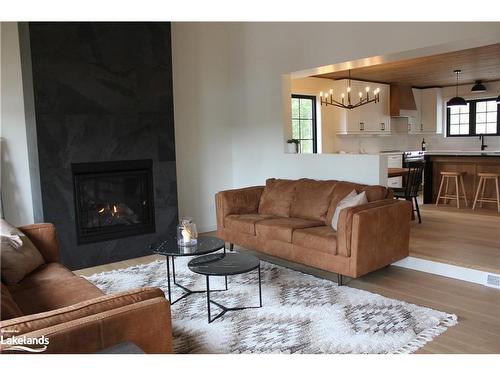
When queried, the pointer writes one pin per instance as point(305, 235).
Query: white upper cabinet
point(372, 118)
point(432, 107)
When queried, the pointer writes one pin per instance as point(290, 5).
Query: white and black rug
point(301, 313)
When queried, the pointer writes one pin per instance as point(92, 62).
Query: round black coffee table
point(225, 265)
point(171, 249)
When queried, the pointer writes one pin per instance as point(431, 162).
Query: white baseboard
point(443, 269)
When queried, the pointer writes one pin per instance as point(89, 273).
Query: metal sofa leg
point(339, 279)
point(231, 246)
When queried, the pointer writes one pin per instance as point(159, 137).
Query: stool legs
point(498, 194)
point(480, 192)
point(440, 189)
point(445, 181)
point(463, 191)
point(481, 182)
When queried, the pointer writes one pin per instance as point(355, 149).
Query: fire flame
point(115, 210)
point(101, 210)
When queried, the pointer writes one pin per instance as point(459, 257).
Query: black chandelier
point(363, 98)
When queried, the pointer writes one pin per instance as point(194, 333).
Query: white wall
point(15, 184)
point(202, 121)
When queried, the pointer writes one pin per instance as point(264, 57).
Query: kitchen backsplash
point(412, 142)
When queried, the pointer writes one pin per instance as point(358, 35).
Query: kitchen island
point(470, 162)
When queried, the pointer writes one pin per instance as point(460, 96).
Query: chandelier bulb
point(348, 89)
point(360, 94)
point(367, 89)
point(343, 95)
point(321, 94)
point(331, 91)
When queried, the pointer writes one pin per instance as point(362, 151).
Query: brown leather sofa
point(75, 315)
point(290, 219)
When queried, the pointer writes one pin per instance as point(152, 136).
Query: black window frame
point(314, 120)
point(472, 120)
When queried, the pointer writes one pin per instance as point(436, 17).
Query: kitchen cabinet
point(427, 118)
point(372, 118)
point(395, 161)
point(432, 111)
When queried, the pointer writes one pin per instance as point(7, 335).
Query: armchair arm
point(237, 201)
point(375, 234)
point(140, 315)
point(44, 237)
point(146, 324)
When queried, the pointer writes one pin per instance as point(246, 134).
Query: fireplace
point(113, 199)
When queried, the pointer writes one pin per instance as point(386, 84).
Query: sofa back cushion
point(343, 188)
point(312, 199)
point(9, 308)
point(277, 196)
point(18, 254)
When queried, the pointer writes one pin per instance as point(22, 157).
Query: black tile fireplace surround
point(113, 199)
point(103, 99)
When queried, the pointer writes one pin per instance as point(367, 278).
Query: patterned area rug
point(301, 313)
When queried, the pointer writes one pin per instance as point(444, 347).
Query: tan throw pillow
point(351, 200)
point(18, 254)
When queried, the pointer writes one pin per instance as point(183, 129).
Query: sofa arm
point(237, 201)
point(375, 234)
point(44, 237)
point(146, 324)
point(88, 314)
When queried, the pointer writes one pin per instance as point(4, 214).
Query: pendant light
point(457, 101)
point(478, 87)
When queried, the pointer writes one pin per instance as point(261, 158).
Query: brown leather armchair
point(76, 316)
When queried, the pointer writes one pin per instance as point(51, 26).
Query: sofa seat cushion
point(322, 239)
point(312, 199)
point(277, 196)
point(54, 294)
point(282, 229)
point(244, 223)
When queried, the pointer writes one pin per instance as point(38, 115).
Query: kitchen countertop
point(463, 152)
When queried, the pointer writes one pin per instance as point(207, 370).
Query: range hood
point(401, 101)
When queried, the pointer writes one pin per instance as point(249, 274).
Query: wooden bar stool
point(483, 177)
point(452, 175)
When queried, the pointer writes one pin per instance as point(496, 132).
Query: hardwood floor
point(460, 237)
point(477, 307)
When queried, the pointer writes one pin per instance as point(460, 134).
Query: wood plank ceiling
point(481, 63)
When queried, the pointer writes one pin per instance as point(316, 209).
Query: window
point(479, 117)
point(304, 122)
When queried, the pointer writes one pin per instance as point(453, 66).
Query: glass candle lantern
point(187, 234)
